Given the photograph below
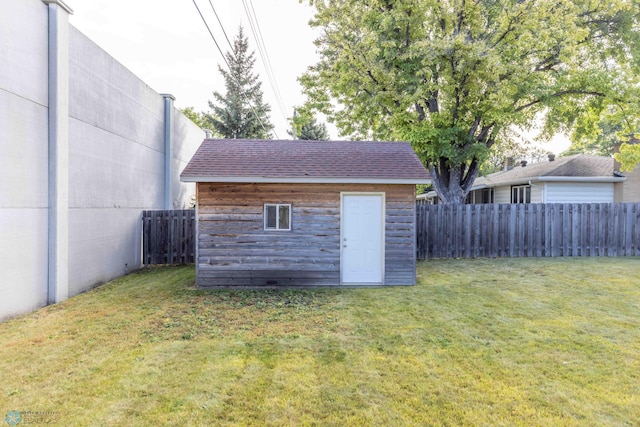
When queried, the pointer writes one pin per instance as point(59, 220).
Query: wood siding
point(235, 250)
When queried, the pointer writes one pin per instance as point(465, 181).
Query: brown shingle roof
point(578, 165)
point(299, 161)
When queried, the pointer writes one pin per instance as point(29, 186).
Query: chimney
point(207, 133)
point(523, 163)
point(552, 157)
point(508, 163)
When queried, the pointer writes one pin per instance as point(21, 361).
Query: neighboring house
point(296, 213)
point(580, 178)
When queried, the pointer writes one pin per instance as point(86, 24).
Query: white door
point(362, 238)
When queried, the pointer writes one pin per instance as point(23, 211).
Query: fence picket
point(167, 237)
point(550, 230)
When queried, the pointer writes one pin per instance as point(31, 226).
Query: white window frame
point(277, 206)
point(521, 191)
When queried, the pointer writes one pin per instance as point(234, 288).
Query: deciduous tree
point(629, 155)
point(451, 76)
point(198, 118)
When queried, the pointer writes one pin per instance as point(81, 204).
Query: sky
point(167, 45)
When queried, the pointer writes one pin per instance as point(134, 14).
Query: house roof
point(579, 167)
point(224, 160)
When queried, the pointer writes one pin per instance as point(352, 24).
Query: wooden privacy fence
point(168, 237)
point(528, 230)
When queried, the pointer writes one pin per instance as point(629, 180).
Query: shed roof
point(579, 167)
point(224, 160)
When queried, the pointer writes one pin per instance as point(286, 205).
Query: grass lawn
point(477, 342)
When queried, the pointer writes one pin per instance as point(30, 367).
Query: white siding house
point(580, 178)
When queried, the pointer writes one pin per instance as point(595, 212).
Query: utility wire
point(265, 49)
point(211, 34)
point(229, 67)
point(262, 50)
point(268, 61)
point(221, 26)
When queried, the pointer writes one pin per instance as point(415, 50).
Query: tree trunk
point(452, 184)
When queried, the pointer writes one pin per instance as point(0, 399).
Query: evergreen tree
point(314, 131)
point(306, 127)
point(240, 113)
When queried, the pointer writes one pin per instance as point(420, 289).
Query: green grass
point(479, 342)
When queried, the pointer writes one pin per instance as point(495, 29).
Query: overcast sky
point(166, 44)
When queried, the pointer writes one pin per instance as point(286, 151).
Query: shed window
point(277, 217)
point(521, 194)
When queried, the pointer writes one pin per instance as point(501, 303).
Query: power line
point(221, 26)
point(211, 34)
point(268, 63)
point(229, 67)
point(262, 50)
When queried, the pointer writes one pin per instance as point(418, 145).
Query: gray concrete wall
point(183, 130)
point(23, 158)
point(116, 160)
point(116, 163)
point(117, 128)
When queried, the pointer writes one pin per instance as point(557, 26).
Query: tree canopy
point(600, 140)
point(629, 155)
point(240, 113)
point(199, 119)
point(453, 76)
point(512, 148)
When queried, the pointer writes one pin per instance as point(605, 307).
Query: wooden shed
point(305, 213)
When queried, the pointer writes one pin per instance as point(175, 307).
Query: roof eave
point(478, 187)
point(304, 180)
point(580, 179)
point(527, 180)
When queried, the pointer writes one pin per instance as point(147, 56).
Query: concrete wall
point(23, 156)
point(183, 129)
point(116, 150)
point(116, 163)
